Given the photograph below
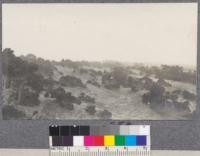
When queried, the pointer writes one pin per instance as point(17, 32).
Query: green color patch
point(119, 140)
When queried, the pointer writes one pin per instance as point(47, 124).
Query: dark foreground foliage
point(10, 112)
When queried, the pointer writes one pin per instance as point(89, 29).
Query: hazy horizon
point(114, 61)
point(132, 33)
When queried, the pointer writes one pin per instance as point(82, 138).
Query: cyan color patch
point(130, 140)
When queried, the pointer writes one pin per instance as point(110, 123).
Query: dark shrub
point(120, 74)
point(49, 83)
point(58, 93)
point(10, 112)
point(156, 91)
point(91, 110)
point(163, 83)
point(173, 96)
point(29, 98)
point(112, 85)
point(36, 82)
point(34, 113)
point(47, 94)
point(82, 95)
point(64, 98)
point(66, 105)
point(105, 114)
point(155, 96)
point(86, 98)
point(77, 101)
point(93, 82)
point(133, 83)
point(147, 83)
point(71, 81)
point(109, 82)
point(71, 99)
point(116, 78)
point(99, 73)
point(182, 106)
point(83, 71)
point(178, 91)
point(146, 98)
point(189, 96)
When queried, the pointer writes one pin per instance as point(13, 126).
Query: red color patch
point(99, 141)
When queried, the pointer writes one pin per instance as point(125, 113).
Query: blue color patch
point(130, 140)
point(141, 140)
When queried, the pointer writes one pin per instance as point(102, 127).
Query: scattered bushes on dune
point(175, 73)
point(66, 99)
point(158, 98)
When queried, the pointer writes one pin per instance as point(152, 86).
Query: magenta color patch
point(88, 140)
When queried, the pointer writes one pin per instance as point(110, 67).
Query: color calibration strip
point(123, 140)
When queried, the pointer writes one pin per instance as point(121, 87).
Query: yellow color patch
point(109, 140)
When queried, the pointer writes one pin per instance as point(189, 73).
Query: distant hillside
point(35, 88)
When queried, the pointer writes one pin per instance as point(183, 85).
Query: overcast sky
point(149, 33)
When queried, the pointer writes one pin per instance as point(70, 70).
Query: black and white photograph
point(99, 61)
